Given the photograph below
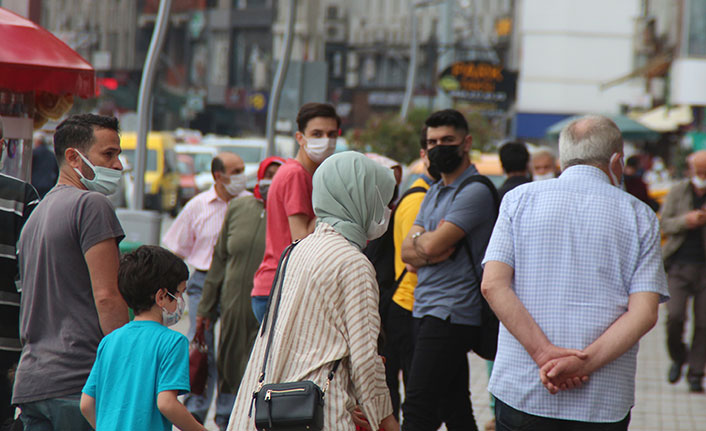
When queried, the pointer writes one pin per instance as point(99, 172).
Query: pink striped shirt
point(195, 230)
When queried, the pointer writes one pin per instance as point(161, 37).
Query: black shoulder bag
point(487, 343)
point(289, 406)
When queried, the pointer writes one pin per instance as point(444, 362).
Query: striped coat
point(329, 311)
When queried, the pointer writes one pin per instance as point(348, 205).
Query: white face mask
point(542, 177)
point(264, 188)
point(105, 180)
point(170, 318)
point(318, 149)
point(378, 229)
point(616, 183)
point(698, 182)
point(236, 185)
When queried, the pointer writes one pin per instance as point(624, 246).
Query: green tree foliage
point(391, 137)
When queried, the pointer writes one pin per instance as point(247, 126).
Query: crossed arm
point(562, 368)
point(430, 247)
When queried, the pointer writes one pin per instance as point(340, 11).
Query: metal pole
point(412, 69)
point(144, 100)
point(447, 55)
point(280, 75)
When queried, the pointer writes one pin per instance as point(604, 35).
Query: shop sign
point(480, 82)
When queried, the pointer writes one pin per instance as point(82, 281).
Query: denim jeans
point(54, 414)
point(259, 307)
point(510, 419)
point(199, 404)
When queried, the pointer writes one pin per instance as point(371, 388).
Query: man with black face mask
point(447, 299)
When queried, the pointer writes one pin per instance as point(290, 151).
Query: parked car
point(187, 178)
point(202, 156)
point(161, 176)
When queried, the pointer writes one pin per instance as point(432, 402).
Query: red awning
point(32, 59)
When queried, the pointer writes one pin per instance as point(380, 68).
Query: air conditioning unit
point(335, 33)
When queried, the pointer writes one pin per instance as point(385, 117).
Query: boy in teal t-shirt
point(142, 367)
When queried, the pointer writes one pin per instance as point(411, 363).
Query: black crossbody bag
point(290, 406)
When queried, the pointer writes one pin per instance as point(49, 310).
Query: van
point(161, 174)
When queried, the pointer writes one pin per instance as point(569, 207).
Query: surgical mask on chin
point(236, 185)
point(105, 180)
point(377, 229)
point(616, 183)
point(264, 187)
point(318, 149)
point(542, 177)
point(171, 318)
point(698, 182)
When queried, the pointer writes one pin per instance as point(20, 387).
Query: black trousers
point(510, 419)
point(8, 360)
point(437, 386)
point(398, 350)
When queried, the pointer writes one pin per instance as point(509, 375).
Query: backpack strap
point(480, 179)
point(496, 199)
point(418, 189)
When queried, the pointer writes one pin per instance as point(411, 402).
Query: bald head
point(697, 160)
point(697, 164)
point(590, 140)
point(227, 164)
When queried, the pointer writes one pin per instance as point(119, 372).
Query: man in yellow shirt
point(398, 323)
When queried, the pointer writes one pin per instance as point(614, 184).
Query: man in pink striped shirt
point(192, 237)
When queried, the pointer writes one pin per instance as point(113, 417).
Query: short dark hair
point(633, 162)
point(423, 138)
point(313, 110)
point(77, 132)
point(145, 271)
point(217, 166)
point(514, 156)
point(448, 117)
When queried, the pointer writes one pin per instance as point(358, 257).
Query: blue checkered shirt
point(579, 247)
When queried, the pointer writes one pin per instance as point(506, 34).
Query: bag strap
point(277, 290)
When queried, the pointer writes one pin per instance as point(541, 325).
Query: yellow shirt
point(405, 214)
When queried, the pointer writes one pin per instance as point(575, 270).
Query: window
point(332, 12)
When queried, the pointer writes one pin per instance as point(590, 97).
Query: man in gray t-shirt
point(68, 258)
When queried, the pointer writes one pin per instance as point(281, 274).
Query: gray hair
point(543, 152)
point(590, 140)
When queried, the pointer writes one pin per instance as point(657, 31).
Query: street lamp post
point(414, 47)
point(412, 69)
point(280, 75)
point(144, 102)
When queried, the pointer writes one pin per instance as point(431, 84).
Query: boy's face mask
point(170, 318)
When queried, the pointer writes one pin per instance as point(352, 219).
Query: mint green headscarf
point(345, 194)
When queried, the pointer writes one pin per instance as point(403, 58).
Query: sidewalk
point(659, 406)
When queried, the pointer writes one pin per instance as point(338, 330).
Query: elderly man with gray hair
point(576, 293)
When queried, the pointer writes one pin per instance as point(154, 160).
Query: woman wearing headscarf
point(329, 301)
point(237, 254)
